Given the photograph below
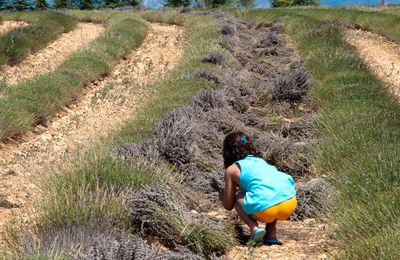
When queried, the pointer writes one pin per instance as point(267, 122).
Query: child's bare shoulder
point(233, 170)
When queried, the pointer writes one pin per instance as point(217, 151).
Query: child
point(257, 190)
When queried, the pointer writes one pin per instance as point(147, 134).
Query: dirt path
point(7, 26)
point(381, 55)
point(48, 58)
point(104, 107)
point(306, 239)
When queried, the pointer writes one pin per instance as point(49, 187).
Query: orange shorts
point(281, 211)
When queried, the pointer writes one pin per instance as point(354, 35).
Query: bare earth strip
point(7, 26)
point(48, 58)
point(106, 104)
point(381, 55)
point(308, 239)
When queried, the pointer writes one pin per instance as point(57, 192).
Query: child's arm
point(228, 198)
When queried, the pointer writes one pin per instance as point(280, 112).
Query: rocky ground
point(307, 239)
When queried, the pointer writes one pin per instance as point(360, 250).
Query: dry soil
point(308, 239)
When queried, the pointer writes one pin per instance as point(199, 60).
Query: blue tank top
point(265, 186)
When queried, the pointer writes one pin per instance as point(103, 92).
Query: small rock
point(310, 220)
point(10, 172)
point(4, 203)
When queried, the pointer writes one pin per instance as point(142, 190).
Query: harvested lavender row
point(84, 243)
point(157, 212)
point(266, 79)
point(131, 247)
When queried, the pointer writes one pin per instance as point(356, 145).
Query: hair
point(237, 145)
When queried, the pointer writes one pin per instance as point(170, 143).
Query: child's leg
point(270, 228)
point(252, 223)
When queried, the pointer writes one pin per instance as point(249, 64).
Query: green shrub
point(288, 3)
point(85, 4)
point(41, 4)
point(177, 3)
point(20, 5)
point(121, 3)
point(216, 3)
point(59, 4)
point(3, 6)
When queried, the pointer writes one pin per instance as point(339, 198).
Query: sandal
point(272, 241)
point(257, 236)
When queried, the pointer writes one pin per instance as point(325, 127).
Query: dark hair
point(237, 145)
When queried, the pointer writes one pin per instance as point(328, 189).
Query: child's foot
point(270, 236)
point(257, 236)
point(271, 241)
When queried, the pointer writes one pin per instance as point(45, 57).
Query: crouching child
point(256, 189)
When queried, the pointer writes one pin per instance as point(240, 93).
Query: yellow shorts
point(281, 211)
